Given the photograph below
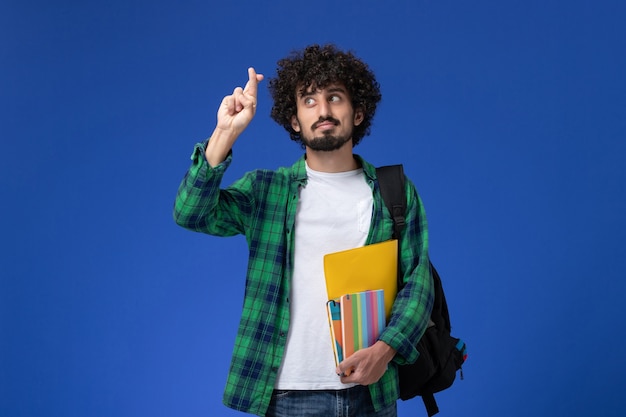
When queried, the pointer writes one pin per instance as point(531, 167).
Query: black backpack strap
point(391, 184)
point(430, 404)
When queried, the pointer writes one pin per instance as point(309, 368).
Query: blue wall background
point(509, 116)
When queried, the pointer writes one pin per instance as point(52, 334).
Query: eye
point(309, 101)
point(334, 98)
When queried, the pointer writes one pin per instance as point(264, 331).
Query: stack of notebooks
point(362, 285)
point(356, 321)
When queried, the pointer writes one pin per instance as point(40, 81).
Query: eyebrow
point(336, 89)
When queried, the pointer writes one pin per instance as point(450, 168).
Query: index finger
point(253, 81)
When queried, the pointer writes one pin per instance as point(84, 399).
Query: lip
point(325, 125)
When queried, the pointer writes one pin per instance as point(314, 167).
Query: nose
point(324, 108)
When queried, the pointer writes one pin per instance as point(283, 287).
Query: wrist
point(219, 145)
point(384, 351)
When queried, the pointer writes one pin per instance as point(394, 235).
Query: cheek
point(305, 119)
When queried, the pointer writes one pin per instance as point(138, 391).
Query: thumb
point(346, 367)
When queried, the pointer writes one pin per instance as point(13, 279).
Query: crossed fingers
point(244, 97)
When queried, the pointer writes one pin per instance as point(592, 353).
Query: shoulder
point(281, 176)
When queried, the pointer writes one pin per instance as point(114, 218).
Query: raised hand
point(233, 116)
point(238, 109)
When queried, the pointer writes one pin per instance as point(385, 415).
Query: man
point(329, 200)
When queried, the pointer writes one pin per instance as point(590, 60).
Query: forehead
point(313, 88)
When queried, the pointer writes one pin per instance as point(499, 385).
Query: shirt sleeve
point(201, 205)
point(413, 304)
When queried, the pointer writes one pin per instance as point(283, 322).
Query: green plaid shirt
point(262, 206)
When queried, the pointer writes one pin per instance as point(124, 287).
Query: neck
point(340, 160)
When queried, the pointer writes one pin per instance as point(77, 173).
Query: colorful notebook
point(362, 319)
point(356, 320)
point(334, 318)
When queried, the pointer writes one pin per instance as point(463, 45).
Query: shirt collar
point(368, 169)
point(298, 169)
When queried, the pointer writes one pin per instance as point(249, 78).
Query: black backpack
point(441, 355)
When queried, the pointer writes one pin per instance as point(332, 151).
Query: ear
point(358, 116)
point(295, 125)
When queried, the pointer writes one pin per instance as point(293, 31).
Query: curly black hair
point(321, 66)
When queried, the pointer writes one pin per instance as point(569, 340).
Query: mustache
point(325, 119)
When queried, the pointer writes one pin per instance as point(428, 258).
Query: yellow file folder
point(370, 267)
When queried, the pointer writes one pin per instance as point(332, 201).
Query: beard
point(327, 142)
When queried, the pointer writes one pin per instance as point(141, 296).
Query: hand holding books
point(367, 365)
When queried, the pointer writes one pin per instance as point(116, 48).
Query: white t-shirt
point(334, 213)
